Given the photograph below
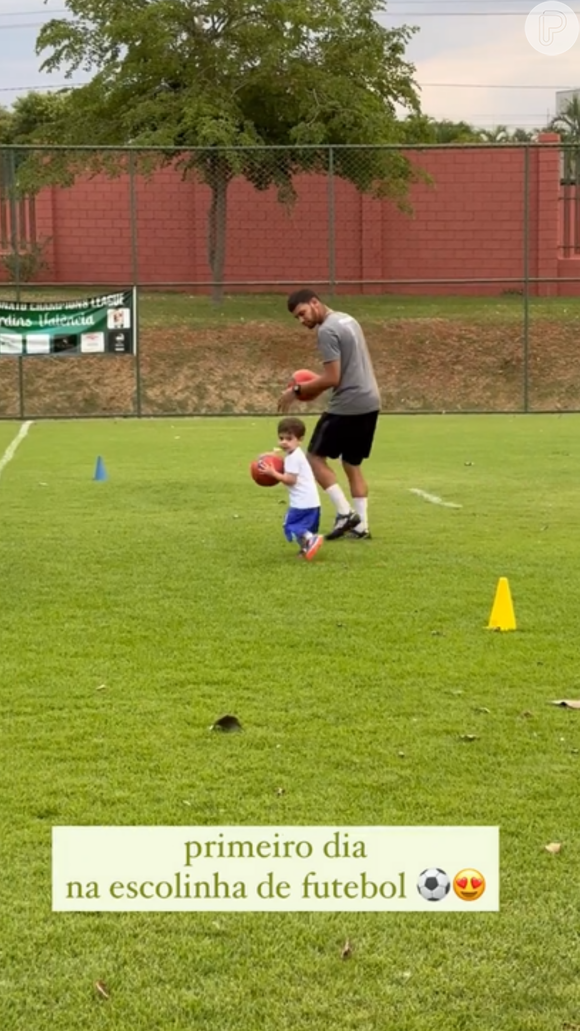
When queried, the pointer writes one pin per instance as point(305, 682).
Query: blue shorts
point(299, 521)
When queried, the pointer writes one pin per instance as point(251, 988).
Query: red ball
point(302, 376)
point(262, 478)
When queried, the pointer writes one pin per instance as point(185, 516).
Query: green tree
point(499, 134)
point(5, 125)
point(422, 128)
point(418, 128)
point(457, 132)
point(523, 135)
point(567, 123)
point(32, 114)
point(211, 77)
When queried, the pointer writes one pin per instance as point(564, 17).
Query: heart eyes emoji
point(469, 885)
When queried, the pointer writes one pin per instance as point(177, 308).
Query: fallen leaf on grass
point(280, 791)
point(227, 724)
point(102, 990)
point(553, 848)
point(567, 703)
point(101, 687)
point(346, 951)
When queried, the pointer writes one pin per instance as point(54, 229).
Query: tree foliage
point(31, 114)
point(219, 84)
point(567, 123)
point(421, 128)
point(5, 125)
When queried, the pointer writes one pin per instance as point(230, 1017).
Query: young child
point(303, 516)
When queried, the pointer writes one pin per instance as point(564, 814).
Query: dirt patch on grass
point(422, 364)
point(9, 388)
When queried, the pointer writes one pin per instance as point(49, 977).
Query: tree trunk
point(217, 224)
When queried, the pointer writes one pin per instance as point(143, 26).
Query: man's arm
point(330, 377)
point(329, 347)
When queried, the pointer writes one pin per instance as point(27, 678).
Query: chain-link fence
point(461, 263)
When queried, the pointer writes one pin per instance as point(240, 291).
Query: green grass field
point(355, 678)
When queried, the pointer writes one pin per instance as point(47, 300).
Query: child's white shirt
point(304, 493)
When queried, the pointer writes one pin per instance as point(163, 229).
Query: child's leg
point(311, 539)
point(293, 528)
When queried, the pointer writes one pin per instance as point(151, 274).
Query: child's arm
point(288, 479)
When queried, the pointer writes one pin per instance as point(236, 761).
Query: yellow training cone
point(502, 613)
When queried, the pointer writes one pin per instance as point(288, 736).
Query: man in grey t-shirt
point(346, 429)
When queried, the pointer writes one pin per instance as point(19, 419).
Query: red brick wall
point(468, 224)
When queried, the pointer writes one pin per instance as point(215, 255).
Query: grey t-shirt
point(341, 338)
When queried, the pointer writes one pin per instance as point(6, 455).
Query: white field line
point(13, 446)
point(433, 498)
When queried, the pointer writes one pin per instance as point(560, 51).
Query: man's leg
point(346, 518)
point(326, 478)
point(359, 448)
point(327, 442)
point(322, 445)
point(359, 492)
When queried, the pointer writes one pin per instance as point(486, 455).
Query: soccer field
point(138, 610)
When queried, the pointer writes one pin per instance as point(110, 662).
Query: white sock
point(361, 509)
point(338, 499)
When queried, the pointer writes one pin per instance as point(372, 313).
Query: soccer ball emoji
point(433, 884)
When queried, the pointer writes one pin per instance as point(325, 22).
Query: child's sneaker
point(312, 546)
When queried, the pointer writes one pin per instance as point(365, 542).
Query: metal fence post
point(526, 257)
point(331, 224)
point(21, 389)
point(15, 245)
point(135, 276)
point(14, 221)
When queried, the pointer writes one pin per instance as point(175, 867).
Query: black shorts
point(349, 437)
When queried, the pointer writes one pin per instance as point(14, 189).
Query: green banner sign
point(95, 325)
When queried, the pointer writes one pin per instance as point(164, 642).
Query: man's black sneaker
point(342, 523)
point(359, 535)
